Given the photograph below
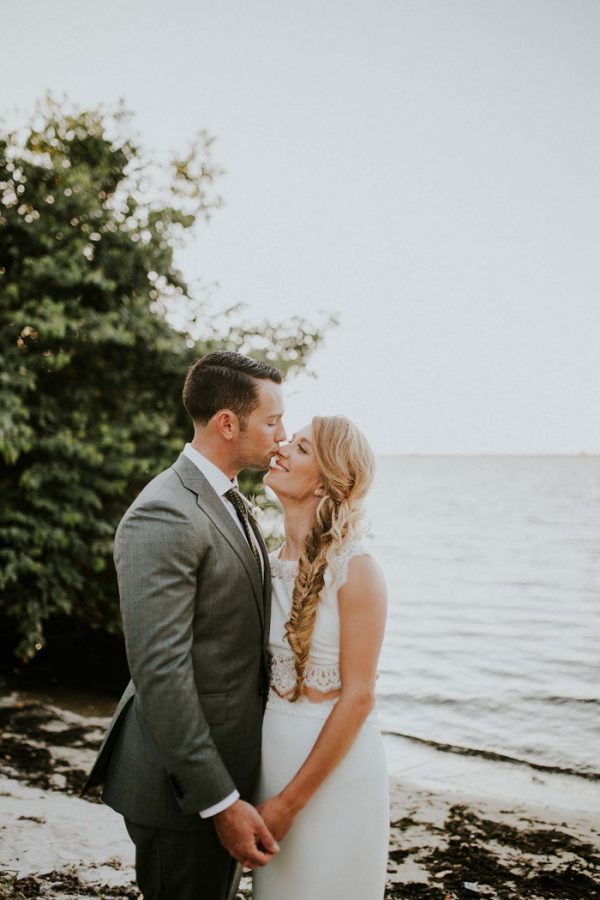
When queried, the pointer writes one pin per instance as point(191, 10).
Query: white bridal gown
point(338, 844)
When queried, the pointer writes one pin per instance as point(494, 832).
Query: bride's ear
point(320, 491)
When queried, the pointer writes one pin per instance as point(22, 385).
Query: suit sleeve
point(157, 555)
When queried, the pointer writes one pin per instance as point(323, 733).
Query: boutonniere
point(254, 510)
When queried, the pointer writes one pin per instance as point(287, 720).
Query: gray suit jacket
point(196, 615)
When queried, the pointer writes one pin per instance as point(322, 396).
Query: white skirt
point(338, 844)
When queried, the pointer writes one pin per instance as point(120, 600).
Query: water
point(493, 638)
point(493, 571)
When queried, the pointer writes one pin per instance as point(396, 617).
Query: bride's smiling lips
point(277, 465)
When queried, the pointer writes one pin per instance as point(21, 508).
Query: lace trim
point(339, 564)
point(287, 569)
point(283, 676)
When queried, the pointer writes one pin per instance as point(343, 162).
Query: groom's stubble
point(262, 431)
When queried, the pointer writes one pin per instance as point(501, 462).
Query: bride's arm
point(362, 607)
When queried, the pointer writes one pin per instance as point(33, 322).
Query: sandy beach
point(450, 838)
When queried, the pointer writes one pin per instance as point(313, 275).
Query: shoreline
point(460, 827)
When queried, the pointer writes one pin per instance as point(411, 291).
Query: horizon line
point(478, 455)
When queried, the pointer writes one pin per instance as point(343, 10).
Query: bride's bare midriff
point(312, 694)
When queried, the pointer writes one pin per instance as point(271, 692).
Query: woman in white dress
point(323, 787)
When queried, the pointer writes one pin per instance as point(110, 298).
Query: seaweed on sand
point(55, 884)
point(545, 863)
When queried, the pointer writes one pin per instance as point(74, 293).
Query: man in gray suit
point(181, 758)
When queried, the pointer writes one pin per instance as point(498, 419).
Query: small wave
point(549, 698)
point(484, 702)
point(468, 704)
point(496, 757)
point(422, 699)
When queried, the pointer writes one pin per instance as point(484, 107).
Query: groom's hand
point(244, 834)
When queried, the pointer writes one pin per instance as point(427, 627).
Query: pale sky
point(429, 170)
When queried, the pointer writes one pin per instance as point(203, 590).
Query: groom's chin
point(260, 465)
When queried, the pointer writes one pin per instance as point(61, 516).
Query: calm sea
point(493, 571)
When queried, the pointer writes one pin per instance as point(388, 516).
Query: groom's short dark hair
point(225, 380)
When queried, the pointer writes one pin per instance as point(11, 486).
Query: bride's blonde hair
point(347, 466)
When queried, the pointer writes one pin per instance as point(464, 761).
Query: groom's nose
point(280, 436)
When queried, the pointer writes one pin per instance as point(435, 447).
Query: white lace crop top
point(323, 669)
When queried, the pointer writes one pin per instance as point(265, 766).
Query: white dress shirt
point(220, 483)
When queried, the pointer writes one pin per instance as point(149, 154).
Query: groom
point(181, 758)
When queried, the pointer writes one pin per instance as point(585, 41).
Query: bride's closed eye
point(299, 444)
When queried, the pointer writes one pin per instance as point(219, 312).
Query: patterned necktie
point(239, 504)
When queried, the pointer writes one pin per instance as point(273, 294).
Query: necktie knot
point(234, 497)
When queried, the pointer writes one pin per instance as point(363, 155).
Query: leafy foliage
point(91, 368)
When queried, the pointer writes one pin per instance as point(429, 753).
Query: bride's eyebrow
point(301, 440)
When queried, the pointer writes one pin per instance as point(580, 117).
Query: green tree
point(90, 366)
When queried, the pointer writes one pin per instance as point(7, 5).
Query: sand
point(455, 834)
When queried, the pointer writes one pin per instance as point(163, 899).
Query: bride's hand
point(278, 815)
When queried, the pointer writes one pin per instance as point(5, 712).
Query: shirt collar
point(217, 479)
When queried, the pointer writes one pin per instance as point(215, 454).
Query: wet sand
point(445, 842)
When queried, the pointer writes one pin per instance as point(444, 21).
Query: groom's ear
point(226, 424)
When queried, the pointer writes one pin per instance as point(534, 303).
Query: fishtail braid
point(347, 466)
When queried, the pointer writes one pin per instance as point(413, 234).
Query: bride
point(323, 789)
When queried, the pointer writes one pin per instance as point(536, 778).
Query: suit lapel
point(212, 505)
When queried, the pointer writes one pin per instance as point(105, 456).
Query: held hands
point(244, 834)
point(278, 814)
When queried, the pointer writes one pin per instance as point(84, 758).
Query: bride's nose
point(284, 450)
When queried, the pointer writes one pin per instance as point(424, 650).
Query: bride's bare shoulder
point(363, 578)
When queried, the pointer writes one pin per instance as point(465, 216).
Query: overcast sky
point(429, 170)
